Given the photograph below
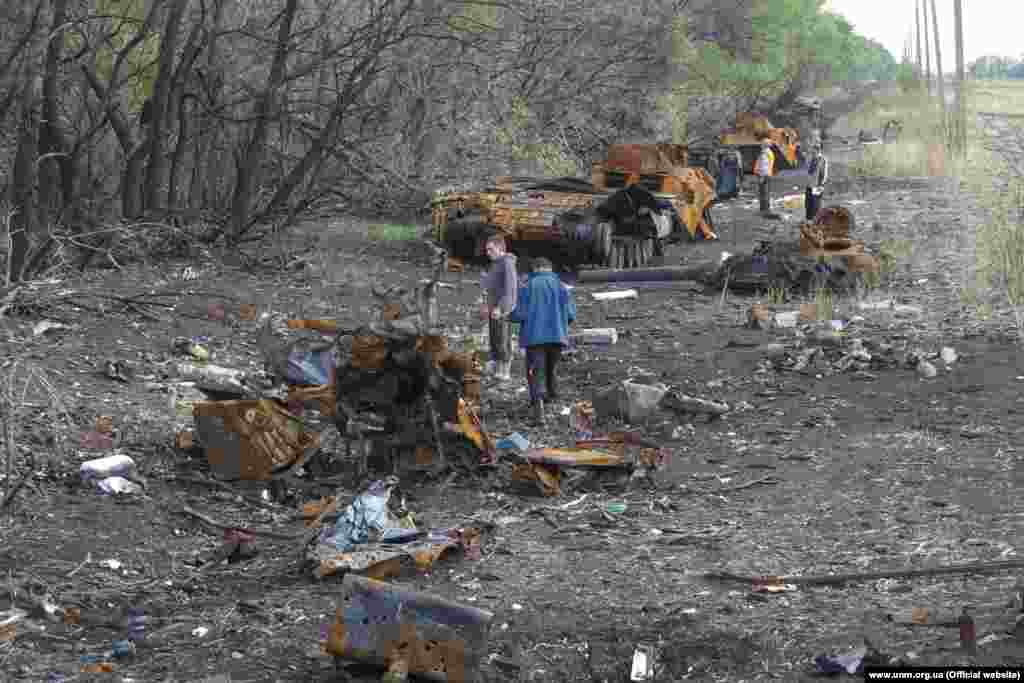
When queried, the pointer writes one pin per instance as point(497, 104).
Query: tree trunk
point(927, 50)
point(939, 76)
point(917, 16)
point(157, 170)
point(308, 162)
point(56, 173)
point(134, 152)
point(961, 122)
point(22, 188)
point(251, 157)
point(177, 109)
point(178, 155)
point(208, 128)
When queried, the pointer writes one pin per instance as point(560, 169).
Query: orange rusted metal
point(614, 456)
point(751, 128)
point(647, 159)
point(834, 221)
point(526, 212)
point(319, 325)
point(408, 631)
point(251, 439)
point(546, 478)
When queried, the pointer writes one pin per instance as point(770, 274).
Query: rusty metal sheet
point(251, 439)
point(647, 158)
point(384, 625)
point(576, 457)
point(633, 438)
point(546, 478)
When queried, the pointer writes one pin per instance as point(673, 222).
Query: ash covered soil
point(817, 470)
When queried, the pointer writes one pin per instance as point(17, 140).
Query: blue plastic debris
point(367, 516)
point(513, 442)
point(311, 367)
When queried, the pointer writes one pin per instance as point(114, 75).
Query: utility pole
point(961, 121)
point(939, 76)
point(927, 50)
point(917, 16)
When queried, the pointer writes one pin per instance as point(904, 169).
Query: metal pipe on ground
point(658, 274)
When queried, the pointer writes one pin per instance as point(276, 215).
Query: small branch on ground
point(222, 525)
point(835, 579)
point(757, 482)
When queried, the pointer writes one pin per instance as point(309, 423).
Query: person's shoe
point(504, 370)
point(538, 412)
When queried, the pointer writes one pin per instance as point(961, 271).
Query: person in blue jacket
point(545, 309)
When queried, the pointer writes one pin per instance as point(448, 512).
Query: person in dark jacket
point(545, 310)
point(730, 174)
point(817, 176)
point(501, 285)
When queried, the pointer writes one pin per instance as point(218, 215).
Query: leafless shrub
point(29, 404)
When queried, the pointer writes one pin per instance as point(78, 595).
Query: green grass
point(392, 232)
point(1003, 97)
point(998, 258)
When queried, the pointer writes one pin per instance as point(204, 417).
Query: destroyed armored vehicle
point(639, 199)
point(746, 137)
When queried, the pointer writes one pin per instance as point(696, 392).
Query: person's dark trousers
point(500, 333)
point(541, 363)
point(763, 191)
point(812, 202)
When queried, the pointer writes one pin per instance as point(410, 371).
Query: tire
point(606, 240)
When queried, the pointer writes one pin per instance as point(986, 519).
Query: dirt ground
point(812, 472)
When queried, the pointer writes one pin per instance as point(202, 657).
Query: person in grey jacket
point(817, 176)
point(501, 284)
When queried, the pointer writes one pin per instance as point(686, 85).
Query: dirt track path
point(813, 473)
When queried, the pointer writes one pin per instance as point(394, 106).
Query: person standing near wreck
point(817, 176)
point(501, 286)
point(765, 169)
point(545, 310)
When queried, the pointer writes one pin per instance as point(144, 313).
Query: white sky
point(991, 27)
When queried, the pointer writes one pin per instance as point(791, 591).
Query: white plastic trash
point(641, 400)
point(115, 485)
point(597, 335)
point(615, 295)
point(110, 466)
point(213, 377)
point(786, 318)
point(643, 664)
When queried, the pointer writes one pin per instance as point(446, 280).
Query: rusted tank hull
point(559, 220)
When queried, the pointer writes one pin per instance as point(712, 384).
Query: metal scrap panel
point(398, 629)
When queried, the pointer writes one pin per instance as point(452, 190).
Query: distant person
point(500, 284)
point(545, 310)
point(765, 169)
point(730, 173)
point(817, 176)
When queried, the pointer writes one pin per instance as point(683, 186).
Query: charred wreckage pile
point(392, 388)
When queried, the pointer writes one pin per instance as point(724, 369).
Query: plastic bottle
point(110, 466)
point(136, 624)
point(213, 377)
point(123, 649)
point(597, 335)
